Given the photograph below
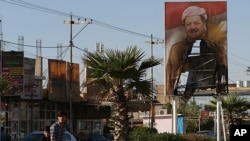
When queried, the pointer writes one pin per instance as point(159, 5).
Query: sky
point(115, 23)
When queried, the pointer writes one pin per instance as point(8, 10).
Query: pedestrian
point(46, 134)
point(57, 129)
point(4, 136)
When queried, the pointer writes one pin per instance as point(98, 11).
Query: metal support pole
point(152, 87)
point(152, 118)
point(218, 117)
point(1, 38)
point(174, 115)
point(19, 121)
point(200, 120)
point(149, 117)
point(215, 122)
point(70, 74)
point(0, 105)
point(222, 121)
point(71, 22)
point(6, 116)
point(31, 110)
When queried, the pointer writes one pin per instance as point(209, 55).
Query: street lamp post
point(71, 22)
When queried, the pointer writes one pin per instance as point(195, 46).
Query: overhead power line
point(56, 12)
point(231, 61)
point(11, 44)
point(34, 7)
point(33, 46)
point(99, 23)
point(239, 57)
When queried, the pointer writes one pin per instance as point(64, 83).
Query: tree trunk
point(120, 116)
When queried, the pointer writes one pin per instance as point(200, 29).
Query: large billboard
point(12, 68)
point(196, 47)
point(60, 82)
point(32, 89)
point(74, 82)
point(57, 80)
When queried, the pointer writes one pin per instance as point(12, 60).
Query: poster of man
point(196, 44)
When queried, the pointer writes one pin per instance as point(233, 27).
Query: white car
point(37, 135)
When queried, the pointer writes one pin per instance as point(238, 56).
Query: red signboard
point(12, 68)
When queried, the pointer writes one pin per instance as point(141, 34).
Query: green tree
point(234, 107)
point(118, 75)
point(192, 111)
point(168, 106)
point(5, 85)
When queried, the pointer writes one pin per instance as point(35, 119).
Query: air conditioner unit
point(163, 112)
point(212, 114)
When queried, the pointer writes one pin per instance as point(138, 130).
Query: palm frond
point(116, 67)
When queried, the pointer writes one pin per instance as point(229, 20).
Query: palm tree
point(118, 74)
point(233, 106)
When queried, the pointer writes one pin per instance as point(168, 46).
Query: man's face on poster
point(195, 27)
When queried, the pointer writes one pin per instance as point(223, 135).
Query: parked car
point(96, 137)
point(206, 132)
point(110, 137)
point(37, 135)
point(83, 135)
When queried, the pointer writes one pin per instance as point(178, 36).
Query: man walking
point(57, 129)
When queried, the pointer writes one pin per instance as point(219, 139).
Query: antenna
point(1, 35)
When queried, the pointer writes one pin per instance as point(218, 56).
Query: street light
point(71, 22)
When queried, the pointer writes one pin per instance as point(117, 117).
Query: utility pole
point(1, 38)
point(71, 22)
point(248, 70)
point(151, 120)
point(31, 110)
point(1, 67)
